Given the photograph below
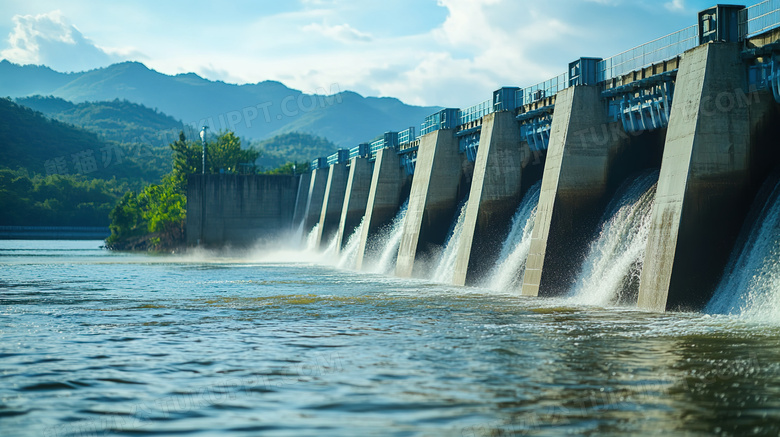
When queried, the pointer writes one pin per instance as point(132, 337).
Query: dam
point(644, 170)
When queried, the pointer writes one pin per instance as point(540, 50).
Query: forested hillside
point(292, 147)
point(117, 120)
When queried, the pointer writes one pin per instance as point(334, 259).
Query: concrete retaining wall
point(239, 210)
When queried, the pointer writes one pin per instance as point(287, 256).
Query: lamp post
point(203, 139)
point(203, 186)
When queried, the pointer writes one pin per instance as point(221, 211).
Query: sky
point(450, 53)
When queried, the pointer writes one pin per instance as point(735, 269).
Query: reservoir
point(287, 343)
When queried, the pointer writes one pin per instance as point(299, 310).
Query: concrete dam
point(647, 178)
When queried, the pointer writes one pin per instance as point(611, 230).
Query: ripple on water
point(224, 346)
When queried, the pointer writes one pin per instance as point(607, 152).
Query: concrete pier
point(433, 198)
point(301, 199)
point(574, 187)
point(333, 202)
point(495, 193)
point(355, 199)
point(318, 179)
point(388, 183)
point(705, 185)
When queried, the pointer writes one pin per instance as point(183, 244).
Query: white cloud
point(675, 5)
point(50, 40)
point(481, 46)
point(432, 52)
point(339, 32)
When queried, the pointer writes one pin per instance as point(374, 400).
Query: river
point(284, 344)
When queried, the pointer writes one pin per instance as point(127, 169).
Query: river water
point(283, 344)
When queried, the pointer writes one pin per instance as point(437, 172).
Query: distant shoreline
point(53, 233)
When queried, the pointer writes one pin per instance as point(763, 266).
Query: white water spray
point(349, 253)
point(298, 236)
point(311, 239)
point(331, 251)
point(445, 267)
point(389, 239)
point(507, 275)
point(751, 283)
point(610, 273)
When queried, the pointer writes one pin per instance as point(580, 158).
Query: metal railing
point(406, 136)
point(384, 141)
point(376, 146)
point(659, 50)
point(354, 152)
point(475, 112)
point(444, 119)
point(317, 163)
point(361, 151)
point(542, 90)
point(334, 158)
point(759, 18)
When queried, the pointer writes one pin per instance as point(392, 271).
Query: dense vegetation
point(293, 147)
point(73, 200)
point(54, 173)
point(154, 218)
point(41, 145)
point(290, 168)
point(117, 120)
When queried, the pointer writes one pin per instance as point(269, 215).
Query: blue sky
point(426, 52)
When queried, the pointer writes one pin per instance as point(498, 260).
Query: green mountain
point(254, 111)
point(28, 80)
point(55, 174)
point(117, 120)
point(31, 141)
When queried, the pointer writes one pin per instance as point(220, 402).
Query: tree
point(159, 210)
point(290, 168)
point(226, 156)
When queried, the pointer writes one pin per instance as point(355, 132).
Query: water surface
point(281, 344)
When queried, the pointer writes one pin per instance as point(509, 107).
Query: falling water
point(331, 250)
point(389, 239)
point(508, 271)
point(610, 273)
point(751, 283)
point(445, 267)
point(298, 235)
point(311, 239)
point(349, 253)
